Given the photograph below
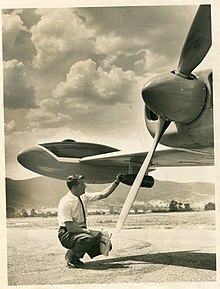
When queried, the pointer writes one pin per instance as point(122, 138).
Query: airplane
point(178, 115)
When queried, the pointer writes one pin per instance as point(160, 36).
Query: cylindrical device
point(128, 179)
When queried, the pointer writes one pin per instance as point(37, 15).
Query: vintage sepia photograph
point(109, 144)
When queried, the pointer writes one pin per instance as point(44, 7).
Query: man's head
point(76, 184)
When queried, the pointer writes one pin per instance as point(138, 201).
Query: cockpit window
point(72, 149)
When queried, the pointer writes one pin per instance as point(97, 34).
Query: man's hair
point(72, 181)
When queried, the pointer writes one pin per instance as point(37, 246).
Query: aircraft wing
point(162, 158)
point(101, 165)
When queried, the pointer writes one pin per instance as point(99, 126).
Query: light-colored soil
point(178, 247)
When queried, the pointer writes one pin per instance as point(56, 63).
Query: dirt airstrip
point(170, 247)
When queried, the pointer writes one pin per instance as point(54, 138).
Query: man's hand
point(86, 231)
point(96, 234)
point(110, 189)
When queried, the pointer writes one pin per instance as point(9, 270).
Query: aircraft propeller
point(198, 41)
point(179, 96)
point(162, 126)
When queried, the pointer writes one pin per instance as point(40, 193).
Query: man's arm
point(74, 228)
point(110, 189)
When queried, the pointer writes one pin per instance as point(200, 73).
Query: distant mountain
point(35, 192)
point(46, 192)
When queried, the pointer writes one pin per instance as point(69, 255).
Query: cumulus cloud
point(79, 82)
point(16, 38)
point(12, 25)
point(108, 44)
point(160, 29)
point(87, 85)
point(17, 91)
point(150, 61)
point(87, 90)
point(43, 118)
point(129, 54)
point(60, 32)
point(115, 86)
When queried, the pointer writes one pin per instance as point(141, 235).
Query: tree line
point(173, 206)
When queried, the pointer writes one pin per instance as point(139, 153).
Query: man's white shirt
point(70, 208)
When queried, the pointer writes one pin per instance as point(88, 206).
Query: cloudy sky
point(77, 73)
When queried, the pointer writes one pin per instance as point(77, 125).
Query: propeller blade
point(198, 41)
point(162, 126)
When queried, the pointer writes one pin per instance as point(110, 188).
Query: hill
point(46, 192)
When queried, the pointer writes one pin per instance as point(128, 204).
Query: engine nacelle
point(128, 179)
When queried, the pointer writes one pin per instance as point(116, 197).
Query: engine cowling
point(175, 98)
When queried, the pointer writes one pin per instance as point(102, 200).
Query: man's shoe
point(70, 265)
point(73, 261)
point(78, 263)
point(69, 255)
point(75, 265)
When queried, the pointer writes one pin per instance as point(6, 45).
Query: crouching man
point(72, 211)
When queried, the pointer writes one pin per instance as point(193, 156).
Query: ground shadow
point(191, 259)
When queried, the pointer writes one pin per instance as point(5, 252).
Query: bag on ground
point(105, 243)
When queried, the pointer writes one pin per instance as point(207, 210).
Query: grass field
point(141, 221)
point(159, 247)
